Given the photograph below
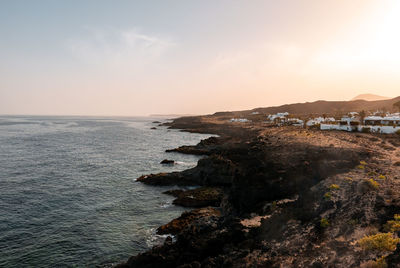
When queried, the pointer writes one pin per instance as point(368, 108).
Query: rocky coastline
point(278, 197)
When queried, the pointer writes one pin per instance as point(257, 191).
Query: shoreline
point(258, 185)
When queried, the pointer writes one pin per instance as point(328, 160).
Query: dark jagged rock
point(174, 193)
point(167, 162)
point(153, 128)
point(166, 179)
point(177, 225)
point(200, 197)
point(156, 122)
point(204, 147)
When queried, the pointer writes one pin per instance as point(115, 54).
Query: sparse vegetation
point(361, 167)
point(373, 184)
point(378, 263)
point(334, 187)
point(393, 225)
point(348, 179)
point(363, 163)
point(382, 177)
point(379, 242)
point(324, 223)
point(328, 196)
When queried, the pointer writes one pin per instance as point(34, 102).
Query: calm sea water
point(68, 195)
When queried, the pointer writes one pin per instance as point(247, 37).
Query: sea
point(68, 190)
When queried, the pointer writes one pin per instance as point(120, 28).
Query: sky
point(102, 57)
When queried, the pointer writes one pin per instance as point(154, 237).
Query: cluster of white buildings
point(284, 119)
point(320, 120)
point(377, 123)
point(389, 123)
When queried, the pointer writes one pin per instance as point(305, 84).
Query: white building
point(240, 120)
point(295, 122)
point(319, 120)
point(374, 124)
point(349, 120)
point(388, 120)
point(278, 117)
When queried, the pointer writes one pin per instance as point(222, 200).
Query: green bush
point(324, 223)
point(328, 196)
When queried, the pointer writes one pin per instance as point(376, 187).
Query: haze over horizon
point(187, 57)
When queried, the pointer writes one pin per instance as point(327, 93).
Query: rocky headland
point(281, 197)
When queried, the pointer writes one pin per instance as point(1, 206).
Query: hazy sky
point(81, 57)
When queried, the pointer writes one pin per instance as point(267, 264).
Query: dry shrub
point(378, 263)
point(379, 242)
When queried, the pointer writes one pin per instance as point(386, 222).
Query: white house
point(350, 120)
point(240, 120)
point(319, 120)
point(278, 117)
point(388, 120)
point(295, 122)
point(375, 124)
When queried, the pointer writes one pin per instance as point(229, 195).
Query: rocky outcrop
point(177, 225)
point(213, 171)
point(286, 197)
point(200, 197)
point(166, 179)
point(205, 147)
point(167, 162)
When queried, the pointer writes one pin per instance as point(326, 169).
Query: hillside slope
point(330, 107)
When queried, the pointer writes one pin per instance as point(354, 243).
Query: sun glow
point(372, 44)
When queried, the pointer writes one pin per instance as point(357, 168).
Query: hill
point(324, 107)
point(369, 97)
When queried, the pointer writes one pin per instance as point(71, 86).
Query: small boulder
point(167, 162)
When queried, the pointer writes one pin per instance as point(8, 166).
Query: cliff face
point(284, 197)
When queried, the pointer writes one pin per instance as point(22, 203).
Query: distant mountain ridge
point(331, 107)
point(369, 97)
point(321, 107)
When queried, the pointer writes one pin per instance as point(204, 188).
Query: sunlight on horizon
point(193, 58)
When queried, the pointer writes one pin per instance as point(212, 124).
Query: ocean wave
point(154, 239)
